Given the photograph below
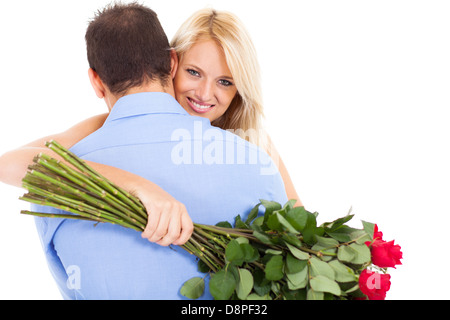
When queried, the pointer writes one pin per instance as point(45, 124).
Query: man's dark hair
point(127, 47)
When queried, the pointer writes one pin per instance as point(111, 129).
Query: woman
point(233, 102)
point(217, 78)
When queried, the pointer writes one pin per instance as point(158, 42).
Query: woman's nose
point(206, 91)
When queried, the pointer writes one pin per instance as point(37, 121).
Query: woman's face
point(203, 83)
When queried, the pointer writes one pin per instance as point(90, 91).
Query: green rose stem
point(89, 196)
point(72, 186)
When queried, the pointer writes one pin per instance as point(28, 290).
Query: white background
point(356, 100)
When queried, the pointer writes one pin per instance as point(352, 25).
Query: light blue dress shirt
point(214, 173)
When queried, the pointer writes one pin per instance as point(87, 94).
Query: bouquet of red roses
point(282, 254)
point(384, 255)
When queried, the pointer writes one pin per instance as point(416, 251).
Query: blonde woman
point(217, 77)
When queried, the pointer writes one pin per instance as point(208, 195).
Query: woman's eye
point(225, 83)
point(193, 72)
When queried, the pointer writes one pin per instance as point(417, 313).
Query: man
point(150, 137)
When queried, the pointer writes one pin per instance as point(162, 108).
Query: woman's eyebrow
point(226, 77)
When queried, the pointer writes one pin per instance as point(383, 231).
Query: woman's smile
point(198, 106)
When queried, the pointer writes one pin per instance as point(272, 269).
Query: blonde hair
point(245, 114)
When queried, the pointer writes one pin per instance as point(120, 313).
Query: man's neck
point(111, 99)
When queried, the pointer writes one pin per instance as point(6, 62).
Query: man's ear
point(173, 62)
point(97, 84)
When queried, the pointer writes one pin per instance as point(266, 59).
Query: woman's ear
point(173, 63)
point(97, 83)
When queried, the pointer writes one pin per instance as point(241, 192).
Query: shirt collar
point(145, 103)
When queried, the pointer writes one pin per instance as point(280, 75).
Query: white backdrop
point(356, 99)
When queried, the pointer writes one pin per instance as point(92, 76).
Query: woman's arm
point(168, 221)
point(14, 164)
point(288, 184)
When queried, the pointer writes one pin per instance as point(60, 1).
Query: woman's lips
point(199, 107)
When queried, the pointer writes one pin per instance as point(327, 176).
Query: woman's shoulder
point(88, 125)
point(81, 130)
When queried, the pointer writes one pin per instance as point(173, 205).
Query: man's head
point(127, 48)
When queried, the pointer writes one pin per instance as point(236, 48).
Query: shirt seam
point(142, 114)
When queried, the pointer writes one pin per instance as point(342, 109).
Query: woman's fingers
point(152, 222)
point(187, 228)
point(168, 223)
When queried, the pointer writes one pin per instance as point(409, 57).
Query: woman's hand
point(168, 220)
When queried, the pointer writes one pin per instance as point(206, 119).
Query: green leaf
point(326, 245)
point(305, 222)
point(222, 285)
point(261, 236)
point(239, 251)
point(289, 205)
point(286, 225)
point(299, 294)
point(250, 253)
point(245, 284)
point(346, 254)
point(342, 272)
point(343, 234)
point(239, 224)
point(273, 222)
point(360, 236)
point(270, 207)
point(363, 253)
point(324, 284)
point(297, 217)
point(309, 235)
point(193, 288)
point(258, 222)
point(253, 214)
point(242, 240)
point(298, 280)
point(224, 224)
point(369, 228)
point(291, 239)
point(340, 236)
point(354, 253)
point(273, 252)
point(319, 267)
point(353, 289)
point(298, 253)
point(337, 224)
point(202, 267)
point(274, 268)
point(234, 252)
point(277, 222)
point(324, 242)
point(255, 296)
point(261, 284)
point(314, 295)
point(294, 265)
point(275, 287)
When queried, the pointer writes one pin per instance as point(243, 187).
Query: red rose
point(384, 254)
point(374, 285)
point(377, 235)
